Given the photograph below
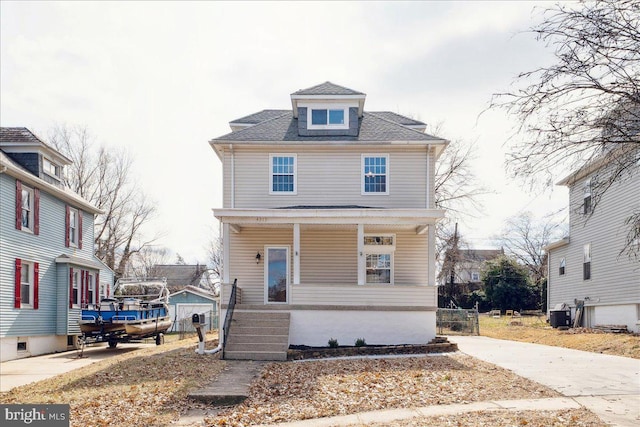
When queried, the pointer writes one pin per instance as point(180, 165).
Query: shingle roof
point(178, 276)
point(285, 128)
point(260, 116)
point(19, 135)
point(327, 88)
point(398, 118)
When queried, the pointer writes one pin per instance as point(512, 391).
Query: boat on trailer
point(138, 309)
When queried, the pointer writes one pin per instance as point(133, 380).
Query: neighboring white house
point(329, 217)
point(588, 264)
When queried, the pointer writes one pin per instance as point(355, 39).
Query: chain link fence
point(457, 321)
point(184, 326)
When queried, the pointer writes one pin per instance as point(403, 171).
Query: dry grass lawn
point(534, 329)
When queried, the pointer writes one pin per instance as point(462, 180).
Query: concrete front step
point(261, 315)
point(256, 347)
point(258, 339)
point(256, 330)
point(255, 355)
point(260, 323)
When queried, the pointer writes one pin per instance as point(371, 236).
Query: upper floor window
point(327, 117)
point(73, 228)
point(283, 174)
point(586, 266)
point(563, 265)
point(50, 168)
point(475, 276)
point(27, 208)
point(375, 170)
point(586, 198)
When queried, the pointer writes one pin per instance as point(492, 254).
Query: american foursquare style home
point(587, 266)
point(47, 266)
point(328, 222)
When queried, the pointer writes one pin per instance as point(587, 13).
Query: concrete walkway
point(607, 385)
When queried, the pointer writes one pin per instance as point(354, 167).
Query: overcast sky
point(163, 78)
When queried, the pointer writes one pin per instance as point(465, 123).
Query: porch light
point(258, 256)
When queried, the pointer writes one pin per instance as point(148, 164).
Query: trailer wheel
point(113, 344)
point(159, 339)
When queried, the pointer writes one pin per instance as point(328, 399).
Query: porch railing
point(229, 315)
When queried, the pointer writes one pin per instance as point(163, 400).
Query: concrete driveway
point(19, 372)
point(607, 385)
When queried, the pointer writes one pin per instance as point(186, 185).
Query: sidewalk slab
point(232, 386)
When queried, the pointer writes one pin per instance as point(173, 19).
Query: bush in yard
point(360, 342)
point(333, 343)
point(507, 284)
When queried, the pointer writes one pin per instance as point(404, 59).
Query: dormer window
point(327, 117)
point(50, 168)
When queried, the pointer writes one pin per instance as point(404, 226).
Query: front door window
point(277, 274)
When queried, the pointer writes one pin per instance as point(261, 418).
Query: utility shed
point(191, 300)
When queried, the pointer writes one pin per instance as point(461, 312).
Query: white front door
point(276, 274)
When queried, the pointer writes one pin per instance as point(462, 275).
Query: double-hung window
point(50, 168)
point(379, 258)
point(586, 198)
point(75, 286)
point(586, 265)
point(282, 176)
point(563, 265)
point(91, 288)
point(27, 207)
point(73, 228)
point(375, 174)
point(26, 284)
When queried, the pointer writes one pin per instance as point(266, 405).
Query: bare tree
point(102, 176)
point(145, 259)
point(586, 105)
point(215, 257)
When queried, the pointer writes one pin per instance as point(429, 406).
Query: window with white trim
point(586, 265)
point(76, 288)
point(73, 227)
point(379, 251)
point(327, 117)
point(563, 265)
point(475, 276)
point(586, 198)
point(27, 208)
point(91, 288)
point(375, 174)
point(26, 284)
point(283, 173)
point(50, 168)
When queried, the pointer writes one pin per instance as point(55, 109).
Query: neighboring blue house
point(48, 270)
point(188, 301)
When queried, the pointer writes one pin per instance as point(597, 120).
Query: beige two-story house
point(328, 225)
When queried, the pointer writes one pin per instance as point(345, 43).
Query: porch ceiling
point(419, 219)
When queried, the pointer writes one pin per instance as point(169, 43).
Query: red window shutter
point(16, 298)
point(80, 229)
point(66, 227)
point(18, 205)
point(36, 211)
point(70, 287)
point(97, 289)
point(36, 283)
point(108, 289)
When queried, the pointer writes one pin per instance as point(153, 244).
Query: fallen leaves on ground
point(145, 387)
point(313, 389)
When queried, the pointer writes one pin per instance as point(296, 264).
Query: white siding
point(328, 176)
point(365, 295)
point(615, 278)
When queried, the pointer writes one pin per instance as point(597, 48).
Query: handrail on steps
point(229, 315)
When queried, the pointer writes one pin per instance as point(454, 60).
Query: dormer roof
point(328, 92)
point(22, 140)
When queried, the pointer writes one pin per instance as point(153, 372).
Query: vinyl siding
point(328, 267)
point(328, 176)
point(44, 248)
point(615, 278)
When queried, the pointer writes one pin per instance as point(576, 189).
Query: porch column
point(225, 254)
point(431, 278)
point(296, 254)
point(361, 258)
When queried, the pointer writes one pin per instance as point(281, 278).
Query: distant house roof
point(197, 291)
point(179, 276)
point(284, 128)
point(480, 255)
point(327, 88)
